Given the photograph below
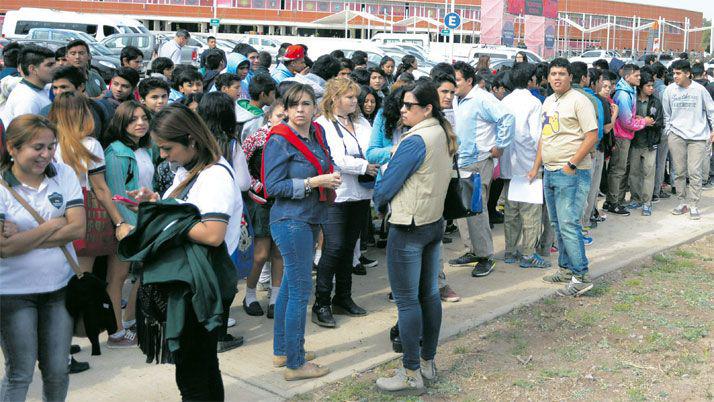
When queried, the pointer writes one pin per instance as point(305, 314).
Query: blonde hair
point(336, 88)
point(72, 116)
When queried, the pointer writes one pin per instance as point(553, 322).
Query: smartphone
point(124, 200)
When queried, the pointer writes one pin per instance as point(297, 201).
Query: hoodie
point(234, 61)
point(248, 118)
point(209, 79)
point(627, 120)
point(281, 73)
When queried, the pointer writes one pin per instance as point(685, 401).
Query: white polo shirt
point(44, 269)
point(95, 148)
point(25, 98)
point(217, 196)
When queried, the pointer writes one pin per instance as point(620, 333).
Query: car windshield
point(98, 48)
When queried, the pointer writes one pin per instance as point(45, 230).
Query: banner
point(508, 34)
point(535, 33)
point(550, 9)
point(533, 7)
point(492, 15)
point(550, 29)
point(516, 7)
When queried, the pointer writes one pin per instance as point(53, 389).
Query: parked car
point(261, 44)
point(591, 55)
point(64, 35)
point(188, 52)
point(144, 42)
point(501, 52)
point(103, 61)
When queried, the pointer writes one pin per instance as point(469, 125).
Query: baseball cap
point(293, 52)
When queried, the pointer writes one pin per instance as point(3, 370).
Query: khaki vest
point(421, 199)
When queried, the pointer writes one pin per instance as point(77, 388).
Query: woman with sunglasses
point(414, 185)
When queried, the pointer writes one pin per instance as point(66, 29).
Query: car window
point(114, 43)
point(142, 42)
point(591, 54)
point(254, 41)
point(265, 42)
point(531, 58)
point(108, 30)
point(42, 34)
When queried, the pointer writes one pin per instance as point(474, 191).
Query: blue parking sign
point(452, 20)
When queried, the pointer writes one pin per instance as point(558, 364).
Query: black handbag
point(460, 196)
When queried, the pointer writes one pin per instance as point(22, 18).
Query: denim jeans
point(198, 375)
point(413, 256)
point(345, 221)
point(565, 196)
point(295, 240)
point(35, 327)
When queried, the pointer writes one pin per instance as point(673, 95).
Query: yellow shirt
point(566, 120)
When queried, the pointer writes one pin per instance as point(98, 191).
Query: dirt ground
point(643, 333)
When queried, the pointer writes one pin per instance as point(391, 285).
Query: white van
point(17, 23)
point(421, 40)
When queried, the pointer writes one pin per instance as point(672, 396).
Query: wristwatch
point(119, 224)
point(572, 165)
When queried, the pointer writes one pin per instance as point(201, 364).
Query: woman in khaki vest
point(415, 185)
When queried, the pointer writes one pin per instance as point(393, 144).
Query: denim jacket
point(285, 171)
point(120, 161)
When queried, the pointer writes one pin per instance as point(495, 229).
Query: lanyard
point(339, 132)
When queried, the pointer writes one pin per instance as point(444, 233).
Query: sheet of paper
point(521, 190)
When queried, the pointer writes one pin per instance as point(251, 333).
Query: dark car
point(103, 62)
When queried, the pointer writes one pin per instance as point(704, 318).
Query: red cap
point(294, 52)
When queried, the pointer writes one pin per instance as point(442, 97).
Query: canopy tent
point(415, 20)
point(345, 16)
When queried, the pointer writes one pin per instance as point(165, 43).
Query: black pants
point(197, 374)
point(345, 221)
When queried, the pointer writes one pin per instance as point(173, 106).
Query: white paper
point(521, 190)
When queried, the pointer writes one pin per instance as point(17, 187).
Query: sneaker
point(587, 240)
point(466, 259)
point(663, 195)
point(77, 367)
point(607, 205)
point(231, 322)
point(74, 349)
point(680, 209)
point(448, 295)
point(647, 210)
point(708, 185)
point(307, 370)
point(281, 361)
point(655, 198)
point(359, 269)
point(451, 229)
point(578, 285)
point(619, 210)
point(390, 298)
point(404, 382)
point(512, 258)
point(228, 342)
point(264, 286)
point(129, 340)
point(253, 309)
point(368, 263)
point(271, 311)
point(633, 205)
point(428, 370)
point(534, 261)
point(483, 267)
point(694, 214)
point(563, 275)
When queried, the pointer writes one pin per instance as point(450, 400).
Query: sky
point(705, 6)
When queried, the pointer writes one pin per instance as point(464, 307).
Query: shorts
point(259, 215)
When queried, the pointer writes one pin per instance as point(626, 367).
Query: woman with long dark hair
point(388, 65)
point(298, 173)
point(409, 64)
point(414, 186)
point(369, 103)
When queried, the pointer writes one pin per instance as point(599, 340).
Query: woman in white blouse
point(347, 134)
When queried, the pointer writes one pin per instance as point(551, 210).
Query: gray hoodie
point(688, 112)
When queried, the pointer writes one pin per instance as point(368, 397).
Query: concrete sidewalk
point(359, 343)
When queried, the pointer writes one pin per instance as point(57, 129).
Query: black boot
point(322, 316)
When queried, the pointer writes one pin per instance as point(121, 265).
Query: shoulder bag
point(463, 197)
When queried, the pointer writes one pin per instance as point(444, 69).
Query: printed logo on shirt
point(551, 124)
point(56, 200)
point(96, 81)
point(684, 101)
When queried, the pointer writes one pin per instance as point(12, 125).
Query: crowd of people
point(179, 180)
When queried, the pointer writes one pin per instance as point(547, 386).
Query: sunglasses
point(409, 105)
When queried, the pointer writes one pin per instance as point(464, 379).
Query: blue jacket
point(406, 161)
point(627, 121)
point(281, 73)
point(482, 122)
point(122, 174)
point(600, 114)
point(380, 146)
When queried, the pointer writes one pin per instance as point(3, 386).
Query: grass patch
point(558, 373)
point(526, 384)
point(694, 333)
point(685, 253)
point(460, 350)
point(636, 394)
point(654, 342)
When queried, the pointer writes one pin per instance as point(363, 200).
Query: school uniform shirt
point(95, 148)
point(40, 270)
point(566, 119)
point(216, 195)
point(347, 153)
point(146, 168)
point(518, 158)
point(25, 98)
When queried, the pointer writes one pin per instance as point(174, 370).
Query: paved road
point(361, 342)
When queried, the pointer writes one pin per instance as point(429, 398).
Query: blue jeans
point(35, 327)
point(295, 241)
point(565, 196)
point(413, 256)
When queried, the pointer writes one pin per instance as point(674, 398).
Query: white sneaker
point(680, 209)
point(231, 322)
point(694, 214)
point(404, 382)
point(428, 370)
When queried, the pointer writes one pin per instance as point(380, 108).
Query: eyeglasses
point(409, 105)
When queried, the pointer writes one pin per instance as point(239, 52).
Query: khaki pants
point(598, 163)
point(642, 174)
point(475, 230)
point(687, 157)
point(617, 175)
point(521, 224)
